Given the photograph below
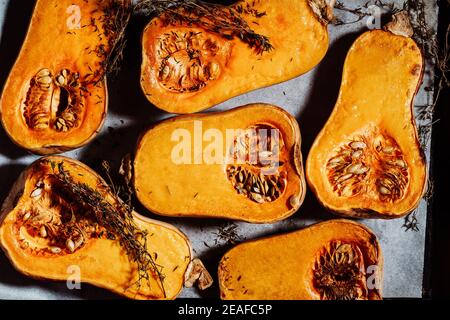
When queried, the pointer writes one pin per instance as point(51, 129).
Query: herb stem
point(224, 21)
point(117, 218)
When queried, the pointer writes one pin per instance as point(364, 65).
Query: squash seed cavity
point(53, 101)
point(373, 165)
point(49, 224)
point(257, 170)
point(338, 272)
point(188, 61)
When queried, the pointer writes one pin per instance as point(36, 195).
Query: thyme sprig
point(425, 36)
point(116, 217)
point(228, 234)
point(224, 21)
point(411, 222)
point(361, 12)
point(124, 190)
point(437, 59)
point(114, 20)
point(424, 33)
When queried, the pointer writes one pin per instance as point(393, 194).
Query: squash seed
point(357, 154)
point(388, 150)
point(400, 163)
point(26, 216)
point(70, 245)
point(36, 193)
point(294, 201)
point(61, 80)
point(384, 190)
point(55, 249)
point(43, 232)
point(357, 169)
point(358, 145)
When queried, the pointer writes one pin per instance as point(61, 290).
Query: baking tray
point(310, 98)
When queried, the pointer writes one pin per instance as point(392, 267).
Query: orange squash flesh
point(283, 267)
point(204, 190)
point(63, 35)
point(381, 76)
point(299, 38)
point(101, 261)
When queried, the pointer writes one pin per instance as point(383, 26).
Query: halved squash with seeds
point(55, 97)
point(333, 260)
point(242, 164)
point(199, 55)
point(61, 222)
point(367, 161)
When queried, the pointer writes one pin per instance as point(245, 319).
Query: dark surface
point(439, 244)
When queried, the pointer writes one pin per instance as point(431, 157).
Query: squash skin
point(52, 45)
point(382, 73)
point(204, 190)
point(241, 69)
point(280, 267)
point(171, 245)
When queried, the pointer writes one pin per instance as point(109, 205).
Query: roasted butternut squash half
point(61, 222)
point(333, 260)
point(199, 55)
point(242, 164)
point(367, 160)
point(55, 98)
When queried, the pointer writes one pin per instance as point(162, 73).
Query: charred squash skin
point(367, 161)
point(174, 81)
point(296, 265)
point(227, 188)
point(101, 260)
point(55, 98)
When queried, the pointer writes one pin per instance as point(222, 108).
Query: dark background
point(438, 246)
